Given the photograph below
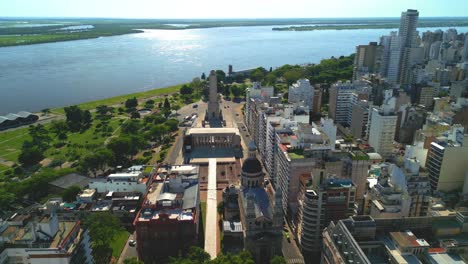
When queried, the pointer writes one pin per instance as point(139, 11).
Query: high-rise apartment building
point(323, 200)
point(447, 162)
point(360, 119)
point(408, 41)
point(391, 57)
point(367, 60)
point(341, 102)
point(301, 92)
point(382, 131)
point(465, 49)
point(408, 25)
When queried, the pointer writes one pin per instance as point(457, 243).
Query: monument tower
point(213, 104)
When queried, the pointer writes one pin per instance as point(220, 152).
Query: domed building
point(260, 211)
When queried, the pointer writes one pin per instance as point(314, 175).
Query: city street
point(128, 251)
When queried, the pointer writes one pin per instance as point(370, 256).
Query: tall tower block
point(213, 104)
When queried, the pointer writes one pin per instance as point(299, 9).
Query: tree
point(197, 85)
point(172, 124)
point(166, 105)
point(244, 257)
point(292, 75)
point(220, 75)
point(69, 195)
point(135, 115)
point(45, 111)
point(132, 261)
point(270, 78)
point(77, 119)
point(186, 90)
point(258, 74)
point(102, 227)
point(278, 260)
point(6, 198)
point(203, 76)
point(40, 136)
point(120, 146)
point(159, 132)
point(58, 127)
point(237, 90)
point(131, 103)
point(103, 109)
point(87, 119)
point(132, 126)
point(30, 156)
point(97, 160)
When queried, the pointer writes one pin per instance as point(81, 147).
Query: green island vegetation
point(462, 22)
point(15, 32)
point(93, 138)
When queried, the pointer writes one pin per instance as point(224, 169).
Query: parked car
point(195, 106)
point(131, 242)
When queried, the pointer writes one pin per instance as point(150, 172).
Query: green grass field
point(118, 243)
point(122, 98)
point(11, 142)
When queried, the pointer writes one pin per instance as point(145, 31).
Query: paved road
point(128, 251)
point(291, 252)
point(175, 154)
point(211, 243)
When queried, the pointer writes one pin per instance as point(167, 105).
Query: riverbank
point(15, 33)
point(370, 26)
point(121, 98)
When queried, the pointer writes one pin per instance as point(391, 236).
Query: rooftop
point(64, 232)
point(408, 239)
point(71, 180)
point(224, 130)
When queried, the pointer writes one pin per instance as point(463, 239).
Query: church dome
point(252, 166)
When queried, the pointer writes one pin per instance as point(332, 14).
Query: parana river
point(59, 74)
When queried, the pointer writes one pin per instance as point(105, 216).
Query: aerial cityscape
point(326, 138)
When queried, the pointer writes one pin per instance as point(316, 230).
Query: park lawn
point(78, 142)
point(11, 143)
point(122, 98)
point(118, 243)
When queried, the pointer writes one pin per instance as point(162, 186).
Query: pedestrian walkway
point(211, 211)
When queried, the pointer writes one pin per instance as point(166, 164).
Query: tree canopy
point(69, 195)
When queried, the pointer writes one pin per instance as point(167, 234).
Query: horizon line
point(216, 18)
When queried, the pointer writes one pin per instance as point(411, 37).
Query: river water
point(64, 73)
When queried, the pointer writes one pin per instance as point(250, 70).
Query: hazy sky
point(229, 9)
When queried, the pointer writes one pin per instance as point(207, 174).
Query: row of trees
point(197, 255)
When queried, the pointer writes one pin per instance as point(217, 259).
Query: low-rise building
point(43, 239)
point(168, 222)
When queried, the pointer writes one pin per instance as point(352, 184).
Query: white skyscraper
point(301, 91)
point(383, 123)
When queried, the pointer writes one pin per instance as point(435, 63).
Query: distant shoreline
point(368, 26)
point(16, 32)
